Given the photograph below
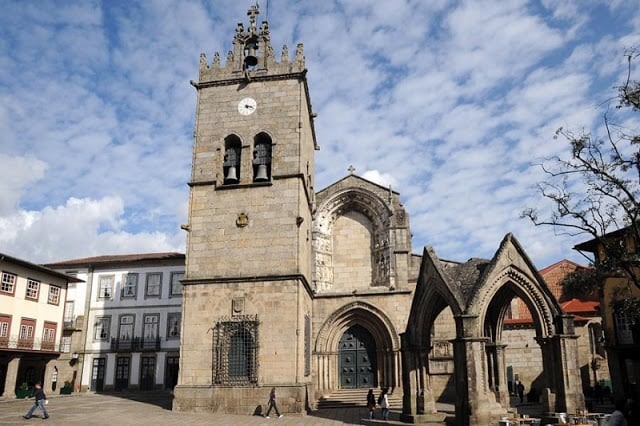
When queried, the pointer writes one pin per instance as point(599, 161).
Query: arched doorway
point(357, 359)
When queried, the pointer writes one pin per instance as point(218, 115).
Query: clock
point(247, 106)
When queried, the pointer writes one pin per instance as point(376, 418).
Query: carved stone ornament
point(242, 220)
point(237, 306)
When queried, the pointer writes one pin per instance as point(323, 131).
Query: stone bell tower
point(246, 323)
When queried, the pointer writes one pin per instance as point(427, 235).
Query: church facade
point(310, 291)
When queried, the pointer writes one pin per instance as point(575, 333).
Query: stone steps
point(344, 398)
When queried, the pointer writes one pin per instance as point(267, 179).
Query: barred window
point(235, 350)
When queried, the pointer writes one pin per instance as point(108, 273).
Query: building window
point(125, 332)
point(68, 318)
point(33, 289)
point(130, 285)
point(54, 295)
point(173, 326)
point(105, 286)
point(154, 284)
point(102, 326)
point(5, 328)
point(624, 332)
point(8, 284)
point(235, 348)
point(25, 338)
point(262, 158)
point(176, 285)
point(65, 344)
point(150, 331)
point(231, 163)
point(49, 336)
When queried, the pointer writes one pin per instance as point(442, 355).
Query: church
point(312, 290)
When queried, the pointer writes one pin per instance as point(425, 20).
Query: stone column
point(418, 403)
point(568, 380)
point(12, 376)
point(502, 389)
point(475, 404)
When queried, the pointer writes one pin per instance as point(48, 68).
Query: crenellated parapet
point(251, 55)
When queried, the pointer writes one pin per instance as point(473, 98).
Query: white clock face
point(247, 106)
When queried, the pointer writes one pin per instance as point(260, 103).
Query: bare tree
point(596, 191)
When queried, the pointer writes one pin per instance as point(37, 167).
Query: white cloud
point(449, 102)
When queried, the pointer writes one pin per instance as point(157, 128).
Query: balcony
point(73, 323)
point(136, 344)
point(15, 343)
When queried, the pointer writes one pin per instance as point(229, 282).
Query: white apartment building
point(124, 326)
point(31, 317)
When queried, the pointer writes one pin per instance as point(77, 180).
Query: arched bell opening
point(232, 160)
point(262, 157)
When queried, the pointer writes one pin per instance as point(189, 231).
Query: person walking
point(371, 404)
point(272, 403)
point(383, 400)
point(41, 400)
point(521, 392)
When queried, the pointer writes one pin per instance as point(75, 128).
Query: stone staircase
point(345, 398)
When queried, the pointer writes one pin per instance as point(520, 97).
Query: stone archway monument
point(478, 293)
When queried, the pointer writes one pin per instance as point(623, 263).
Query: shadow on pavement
point(162, 399)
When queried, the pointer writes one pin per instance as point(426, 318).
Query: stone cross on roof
point(351, 169)
point(252, 13)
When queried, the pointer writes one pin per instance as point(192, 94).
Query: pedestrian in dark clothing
point(521, 392)
point(41, 400)
point(371, 404)
point(272, 403)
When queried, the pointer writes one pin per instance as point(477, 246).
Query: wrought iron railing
point(135, 344)
point(16, 343)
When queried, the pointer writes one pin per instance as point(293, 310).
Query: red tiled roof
point(575, 306)
point(563, 262)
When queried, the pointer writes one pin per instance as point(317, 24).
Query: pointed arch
point(373, 210)
point(381, 329)
point(364, 314)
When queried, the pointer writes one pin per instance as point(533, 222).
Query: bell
point(250, 58)
point(232, 175)
point(261, 175)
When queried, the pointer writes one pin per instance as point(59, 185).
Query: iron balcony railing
point(135, 344)
point(16, 343)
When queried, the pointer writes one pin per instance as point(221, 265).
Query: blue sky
point(451, 103)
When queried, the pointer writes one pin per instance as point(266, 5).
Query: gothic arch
point(376, 322)
point(478, 292)
point(537, 298)
point(374, 209)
